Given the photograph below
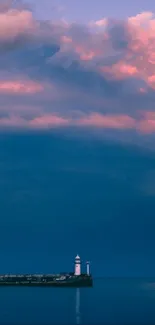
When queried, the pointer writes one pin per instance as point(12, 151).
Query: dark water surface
point(110, 301)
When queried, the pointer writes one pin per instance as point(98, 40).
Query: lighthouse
point(77, 265)
point(88, 268)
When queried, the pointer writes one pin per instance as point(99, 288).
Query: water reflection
point(77, 305)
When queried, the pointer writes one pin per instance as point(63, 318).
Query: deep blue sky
point(60, 196)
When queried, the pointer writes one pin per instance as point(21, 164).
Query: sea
point(110, 301)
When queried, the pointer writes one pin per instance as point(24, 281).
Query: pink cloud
point(20, 87)
point(151, 81)
point(41, 122)
point(141, 19)
point(85, 49)
point(108, 121)
point(137, 59)
point(48, 120)
point(144, 125)
point(141, 47)
point(14, 121)
point(51, 120)
point(101, 22)
point(14, 23)
point(85, 54)
point(66, 40)
point(147, 123)
point(142, 90)
point(94, 58)
point(120, 70)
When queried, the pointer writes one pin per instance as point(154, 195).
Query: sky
point(85, 11)
point(77, 136)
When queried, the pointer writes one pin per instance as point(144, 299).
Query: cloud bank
point(59, 74)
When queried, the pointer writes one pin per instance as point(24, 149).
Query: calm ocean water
point(110, 301)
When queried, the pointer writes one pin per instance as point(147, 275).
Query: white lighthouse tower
point(88, 267)
point(77, 265)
